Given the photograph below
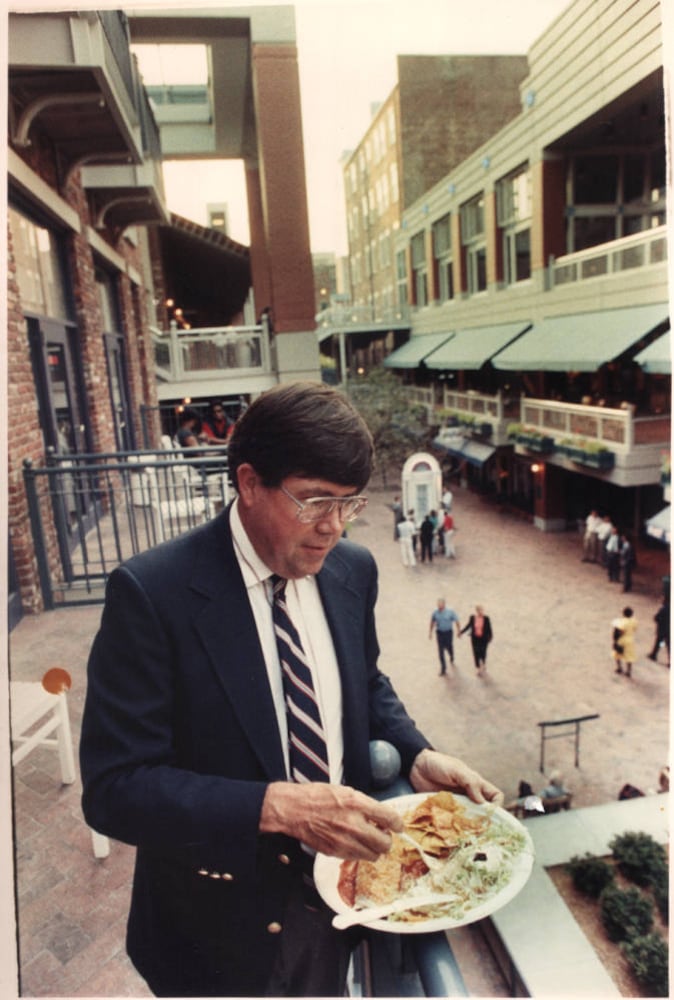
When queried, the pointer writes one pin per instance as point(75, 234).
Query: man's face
point(289, 547)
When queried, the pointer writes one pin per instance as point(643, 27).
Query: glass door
point(114, 353)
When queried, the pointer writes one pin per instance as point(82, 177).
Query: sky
point(347, 63)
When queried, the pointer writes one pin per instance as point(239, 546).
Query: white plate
point(326, 874)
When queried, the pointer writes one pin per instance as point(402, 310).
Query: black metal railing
point(419, 965)
point(115, 25)
point(90, 512)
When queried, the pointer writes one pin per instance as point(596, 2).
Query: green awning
point(469, 349)
point(580, 343)
point(465, 448)
point(416, 350)
point(660, 525)
point(657, 357)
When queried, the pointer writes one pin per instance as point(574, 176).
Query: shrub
point(640, 858)
point(647, 956)
point(625, 913)
point(660, 888)
point(590, 875)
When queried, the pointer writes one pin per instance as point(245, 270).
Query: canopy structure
point(582, 342)
point(465, 448)
point(657, 357)
point(469, 349)
point(660, 525)
point(416, 350)
point(205, 272)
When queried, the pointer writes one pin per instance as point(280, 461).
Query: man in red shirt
point(217, 426)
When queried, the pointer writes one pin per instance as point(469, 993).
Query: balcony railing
point(618, 256)
point(347, 317)
point(196, 354)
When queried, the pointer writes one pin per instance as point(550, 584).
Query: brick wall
point(22, 392)
point(449, 106)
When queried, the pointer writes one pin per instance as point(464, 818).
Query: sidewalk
point(550, 659)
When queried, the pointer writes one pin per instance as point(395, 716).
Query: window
point(419, 271)
point(513, 208)
point(442, 258)
point(401, 277)
point(474, 244)
point(393, 172)
point(613, 196)
point(39, 269)
point(391, 124)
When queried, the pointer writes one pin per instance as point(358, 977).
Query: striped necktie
point(308, 753)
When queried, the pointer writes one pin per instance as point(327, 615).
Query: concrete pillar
point(549, 496)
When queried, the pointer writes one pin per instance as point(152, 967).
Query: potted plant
point(593, 454)
point(531, 438)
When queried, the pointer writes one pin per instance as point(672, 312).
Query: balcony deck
point(637, 441)
point(212, 361)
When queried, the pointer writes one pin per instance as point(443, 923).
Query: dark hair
point(627, 612)
point(525, 789)
point(189, 414)
point(303, 429)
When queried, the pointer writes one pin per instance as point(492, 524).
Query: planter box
point(595, 460)
point(543, 445)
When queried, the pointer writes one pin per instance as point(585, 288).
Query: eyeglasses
point(317, 508)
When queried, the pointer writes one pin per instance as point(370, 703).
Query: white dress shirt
point(306, 611)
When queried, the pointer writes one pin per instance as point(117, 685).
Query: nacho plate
point(517, 869)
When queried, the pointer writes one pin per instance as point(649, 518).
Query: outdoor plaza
point(550, 660)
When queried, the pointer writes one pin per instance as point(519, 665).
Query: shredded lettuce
point(479, 868)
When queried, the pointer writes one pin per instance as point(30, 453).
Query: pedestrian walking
point(448, 533)
point(626, 562)
point(406, 531)
point(613, 555)
point(661, 619)
point(591, 538)
point(443, 620)
point(398, 516)
point(447, 499)
point(604, 530)
point(415, 536)
point(426, 532)
point(481, 634)
point(624, 629)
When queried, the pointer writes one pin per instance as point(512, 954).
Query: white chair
point(39, 717)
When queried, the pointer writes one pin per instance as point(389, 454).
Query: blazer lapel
point(224, 621)
point(342, 603)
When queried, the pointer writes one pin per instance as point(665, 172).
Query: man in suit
point(185, 737)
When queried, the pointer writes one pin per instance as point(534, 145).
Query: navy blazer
point(180, 739)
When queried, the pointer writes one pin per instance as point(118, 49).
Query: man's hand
point(333, 819)
point(433, 772)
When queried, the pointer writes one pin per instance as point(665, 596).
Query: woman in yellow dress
point(623, 641)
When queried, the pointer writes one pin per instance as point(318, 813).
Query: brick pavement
point(550, 659)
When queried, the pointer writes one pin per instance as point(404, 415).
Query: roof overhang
point(68, 80)
point(205, 272)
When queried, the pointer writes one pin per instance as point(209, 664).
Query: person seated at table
point(555, 787)
point(217, 427)
point(189, 429)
